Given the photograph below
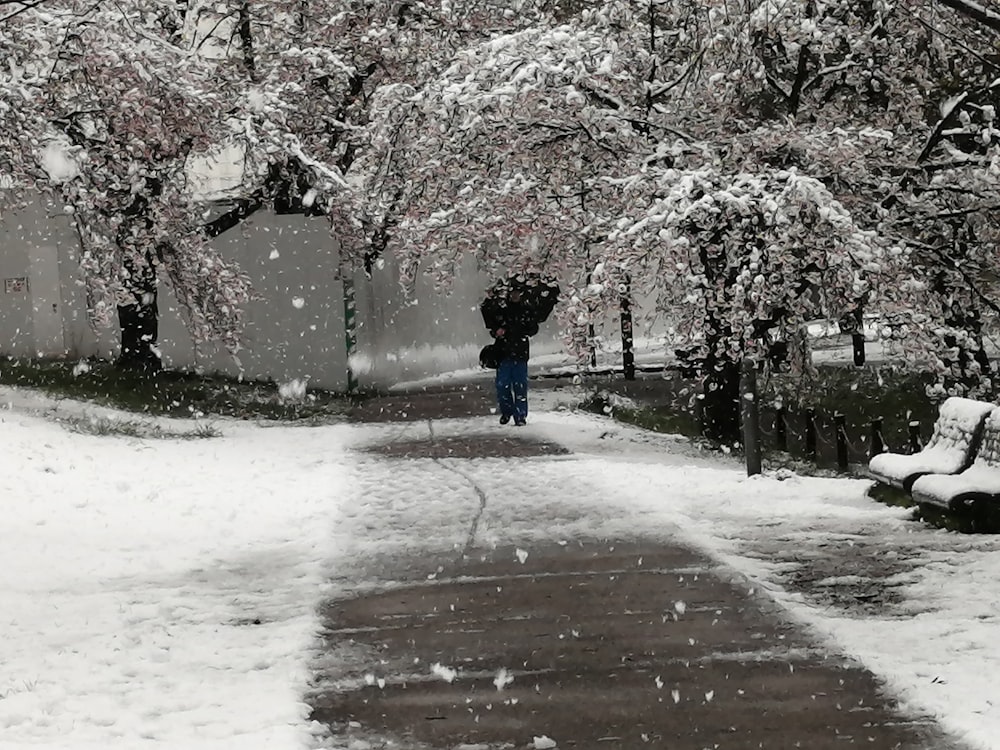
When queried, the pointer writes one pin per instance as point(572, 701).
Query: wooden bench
point(979, 484)
point(951, 449)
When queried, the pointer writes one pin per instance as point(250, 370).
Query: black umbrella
point(533, 292)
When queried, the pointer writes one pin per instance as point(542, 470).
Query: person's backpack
point(489, 356)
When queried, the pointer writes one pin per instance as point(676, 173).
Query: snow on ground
point(160, 592)
point(164, 592)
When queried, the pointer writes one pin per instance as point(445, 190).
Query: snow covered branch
point(975, 11)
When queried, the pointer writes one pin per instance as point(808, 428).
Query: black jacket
point(516, 320)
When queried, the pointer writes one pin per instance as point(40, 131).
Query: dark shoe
point(504, 418)
point(520, 422)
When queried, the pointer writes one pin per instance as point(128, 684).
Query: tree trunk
point(720, 410)
point(853, 324)
point(139, 325)
point(721, 406)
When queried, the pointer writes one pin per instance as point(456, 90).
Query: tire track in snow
point(470, 538)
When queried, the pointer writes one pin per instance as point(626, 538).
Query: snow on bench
point(950, 450)
point(980, 482)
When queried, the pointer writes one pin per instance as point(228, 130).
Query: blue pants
point(512, 389)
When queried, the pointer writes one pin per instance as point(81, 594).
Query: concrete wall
point(294, 331)
point(33, 246)
point(439, 331)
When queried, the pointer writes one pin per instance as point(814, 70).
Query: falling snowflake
point(503, 678)
point(293, 390)
point(445, 673)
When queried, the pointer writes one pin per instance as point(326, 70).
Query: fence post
point(780, 430)
point(811, 433)
point(877, 444)
point(915, 437)
point(841, 422)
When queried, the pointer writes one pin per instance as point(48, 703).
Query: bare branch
point(667, 87)
point(246, 39)
point(966, 97)
point(26, 6)
point(795, 95)
point(986, 17)
point(849, 63)
point(945, 256)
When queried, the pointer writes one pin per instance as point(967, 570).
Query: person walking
point(510, 321)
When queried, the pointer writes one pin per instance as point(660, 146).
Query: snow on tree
point(527, 122)
point(740, 263)
point(132, 92)
point(518, 138)
point(748, 252)
point(930, 84)
point(520, 150)
point(114, 111)
point(944, 206)
point(498, 154)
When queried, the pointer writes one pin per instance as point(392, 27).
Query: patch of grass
point(658, 419)
point(169, 393)
point(135, 428)
point(862, 395)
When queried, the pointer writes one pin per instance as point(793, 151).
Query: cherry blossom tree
point(533, 148)
point(928, 186)
point(523, 132)
point(113, 111)
point(130, 92)
point(741, 260)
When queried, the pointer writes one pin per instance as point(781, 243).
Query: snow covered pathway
point(896, 608)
